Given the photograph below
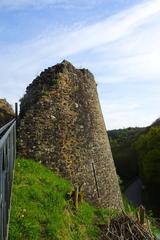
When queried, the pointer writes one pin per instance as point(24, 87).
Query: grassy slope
point(40, 211)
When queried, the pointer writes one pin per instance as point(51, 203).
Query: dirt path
point(133, 192)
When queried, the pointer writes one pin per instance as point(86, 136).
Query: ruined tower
point(61, 125)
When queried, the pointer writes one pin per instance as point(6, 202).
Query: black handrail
point(7, 158)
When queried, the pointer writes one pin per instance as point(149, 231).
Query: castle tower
point(61, 125)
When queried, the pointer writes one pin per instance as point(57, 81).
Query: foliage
point(148, 149)
point(136, 152)
point(124, 154)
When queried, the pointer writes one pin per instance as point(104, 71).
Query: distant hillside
point(124, 154)
point(148, 151)
point(136, 152)
point(127, 150)
point(156, 123)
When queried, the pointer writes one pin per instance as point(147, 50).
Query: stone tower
point(61, 125)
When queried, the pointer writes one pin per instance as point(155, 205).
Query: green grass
point(38, 202)
point(39, 208)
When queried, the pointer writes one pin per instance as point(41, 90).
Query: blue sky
point(117, 40)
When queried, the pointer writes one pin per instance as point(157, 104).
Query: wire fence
point(7, 158)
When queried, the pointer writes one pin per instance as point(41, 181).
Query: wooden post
point(77, 195)
point(141, 214)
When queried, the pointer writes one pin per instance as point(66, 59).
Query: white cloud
point(112, 29)
point(134, 57)
point(126, 114)
point(120, 115)
point(106, 32)
point(123, 47)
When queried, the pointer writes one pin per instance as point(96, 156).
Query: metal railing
point(7, 158)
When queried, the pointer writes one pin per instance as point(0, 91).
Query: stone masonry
point(6, 112)
point(61, 125)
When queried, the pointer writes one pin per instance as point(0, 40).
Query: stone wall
point(61, 125)
point(6, 112)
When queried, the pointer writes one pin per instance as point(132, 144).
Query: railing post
point(1, 196)
point(7, 158)
point(16, 110)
